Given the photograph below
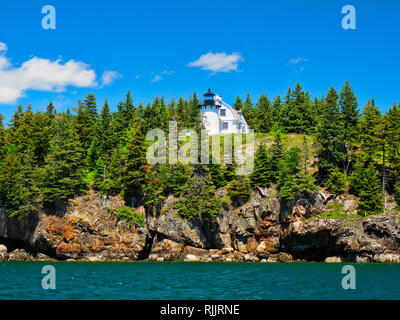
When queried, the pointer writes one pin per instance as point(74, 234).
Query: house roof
point(209, 93)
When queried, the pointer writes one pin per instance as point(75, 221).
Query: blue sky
point(156, 48)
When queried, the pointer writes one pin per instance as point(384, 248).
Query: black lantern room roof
point(209, 93)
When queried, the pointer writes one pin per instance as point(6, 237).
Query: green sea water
point(182, 280)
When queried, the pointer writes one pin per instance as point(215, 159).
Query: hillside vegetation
point(302, 144)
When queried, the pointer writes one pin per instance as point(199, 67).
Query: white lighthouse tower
point(219, 118)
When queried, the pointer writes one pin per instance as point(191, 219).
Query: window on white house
point(224, 125)
point(240, 115)
point(222, 112)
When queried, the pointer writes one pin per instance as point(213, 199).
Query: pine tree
point(247, 111)
point(128, 110)
point(262, 174)
point(194, 114)
point(217, 175)
point(264, 115)
point(297, 114)
point(238, 105)
point(292, 181)
point(164, 116)
point(331, 150)
point(100, 151)
point(2, 137)
point(172, 110)
point(370, 129)
point(350, 115)
point(289, 169)
point(51, 111)
point(277, 152)
point(64, 170)
point(91, 107)
point(199, 202)
point(276, 108)
point(357, 179)
point(239, 191)
point(336, 183)
point(393, 138)
point(133, 158)
point(181, 111)
point(10, 182)
point(84, 122)
point(371, 193)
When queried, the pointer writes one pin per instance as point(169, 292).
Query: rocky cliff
point(264, 229)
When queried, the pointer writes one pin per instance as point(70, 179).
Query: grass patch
point(335, 212)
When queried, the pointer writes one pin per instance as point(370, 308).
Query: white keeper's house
point(219, 117)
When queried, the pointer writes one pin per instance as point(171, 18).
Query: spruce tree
point(238, 105)
point(370, 129)
point(133, 158)
point(247, 111)
point(336, 183)
point(371, 193)
point(2, 137)
point(262, 174)
point(264, 115)
point(64, 170)
point(297, 114)
point(51, 111)
point(10, 182)
point(331, 150)
point(100, 151)
point(277, 152)
point(350, 115)
point(239, 191)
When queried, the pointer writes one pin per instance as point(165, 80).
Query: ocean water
point(184, 280)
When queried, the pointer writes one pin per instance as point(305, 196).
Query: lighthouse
point(220, 118)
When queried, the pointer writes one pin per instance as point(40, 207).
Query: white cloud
point(296, 60)
point(161, 75)
point(168, 73)
point(45, 75)
point(108, 77)
point(157, 78)
point(3, 47)
point(217, 62)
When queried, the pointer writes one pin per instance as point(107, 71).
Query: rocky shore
point(262, 230)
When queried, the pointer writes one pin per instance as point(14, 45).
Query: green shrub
point(130, 216)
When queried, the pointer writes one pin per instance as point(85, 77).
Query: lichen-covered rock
point(19, 255)
point(321, 238)
point(166, 249)
point(169, 225)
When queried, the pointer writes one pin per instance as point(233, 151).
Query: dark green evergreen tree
point(262, 174)
point(371, 201)
point(331, 151)
point(64, 170)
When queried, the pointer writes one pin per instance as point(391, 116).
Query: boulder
point(19, 255)
point(179, 230)
point(284, 257)
point(166, 249)
point(333, 260)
